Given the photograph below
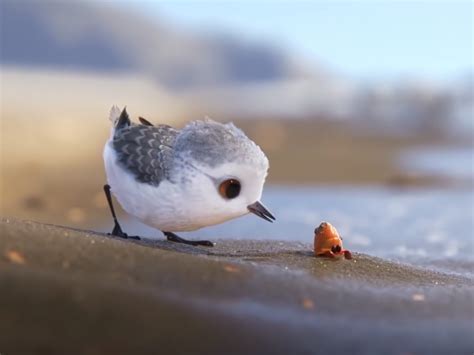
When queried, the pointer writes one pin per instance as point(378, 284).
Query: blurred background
point(357, 104)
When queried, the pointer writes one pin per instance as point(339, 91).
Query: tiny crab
point(328, 243)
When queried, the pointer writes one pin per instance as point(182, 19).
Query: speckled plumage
point(145, 151)
point(212, 143)
point(148, 151)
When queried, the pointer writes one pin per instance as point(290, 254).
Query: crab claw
point(347, 254)
point(328, 254)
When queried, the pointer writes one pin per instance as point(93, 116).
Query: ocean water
point(455, 163)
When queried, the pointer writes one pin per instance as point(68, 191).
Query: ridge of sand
point(73, 291)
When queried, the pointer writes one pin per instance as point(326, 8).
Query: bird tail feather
point(114, 115)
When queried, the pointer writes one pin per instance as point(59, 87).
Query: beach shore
point(71, 291)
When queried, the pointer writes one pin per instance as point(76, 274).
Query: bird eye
point(229, 188)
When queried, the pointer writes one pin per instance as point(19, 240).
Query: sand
point(72, 291)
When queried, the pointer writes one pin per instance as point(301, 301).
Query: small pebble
point(418, 297)
point(15, 257)
point(307, 303)
point(231, 268)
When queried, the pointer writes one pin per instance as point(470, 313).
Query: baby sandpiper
point(182, 180)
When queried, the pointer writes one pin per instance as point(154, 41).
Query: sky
point(364, 39)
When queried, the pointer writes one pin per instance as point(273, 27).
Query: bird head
point(223, 172)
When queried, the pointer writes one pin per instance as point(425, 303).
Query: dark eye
point(336, 249)
point(229, 188)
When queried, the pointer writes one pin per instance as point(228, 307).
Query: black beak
point(260, 210)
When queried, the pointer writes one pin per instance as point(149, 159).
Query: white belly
point(154, 206)
point(161, 207)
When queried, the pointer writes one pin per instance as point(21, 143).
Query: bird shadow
point(249, 250)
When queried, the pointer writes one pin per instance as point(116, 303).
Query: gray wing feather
point(146, 151)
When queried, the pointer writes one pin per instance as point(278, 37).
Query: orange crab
point(328, 243)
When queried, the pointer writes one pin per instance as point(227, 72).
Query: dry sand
point(71, 291)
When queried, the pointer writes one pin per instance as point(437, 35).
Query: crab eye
point(229, 189)
point(336, 249)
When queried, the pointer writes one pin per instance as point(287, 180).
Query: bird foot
point(177, 239)
point(117, 232)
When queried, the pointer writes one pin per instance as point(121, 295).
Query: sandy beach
point(364, 113)
point(71, 291)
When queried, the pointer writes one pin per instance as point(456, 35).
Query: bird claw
point(205, 243)
point(347, 254)
point(117, 232)
point(177, 239)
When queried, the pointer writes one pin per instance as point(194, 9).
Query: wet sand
point(72, 291)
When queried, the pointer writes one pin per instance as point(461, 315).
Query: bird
point(185, 179)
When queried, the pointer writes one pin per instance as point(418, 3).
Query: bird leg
point(117, 231)
point(174, 238)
